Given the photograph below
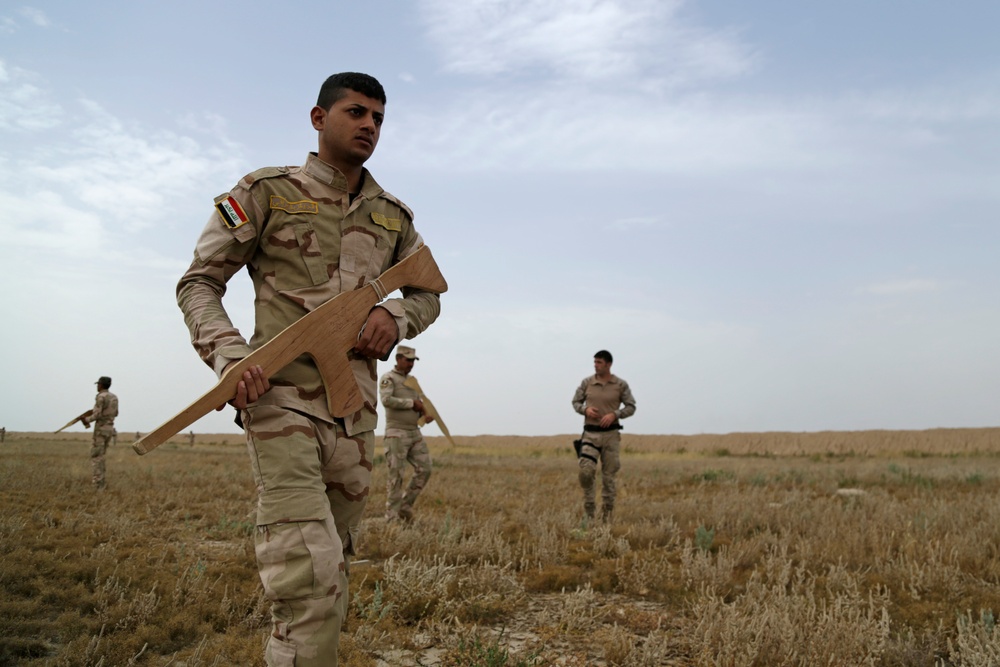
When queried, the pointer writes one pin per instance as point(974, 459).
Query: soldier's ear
point(318, 117)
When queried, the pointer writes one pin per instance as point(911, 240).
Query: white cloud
point(578, 39)
point(36, 16)
point(82, 188)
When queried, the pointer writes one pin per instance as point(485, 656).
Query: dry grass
point(874, 548)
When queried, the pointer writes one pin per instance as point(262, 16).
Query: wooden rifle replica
point(327, 334)
point(84, 417)
point(429, 408)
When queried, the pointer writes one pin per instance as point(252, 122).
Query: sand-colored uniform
point(103, 418)
point(303, 241)
point(403, 444)
point(601, 445)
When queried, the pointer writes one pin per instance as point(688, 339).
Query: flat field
point(761, 549)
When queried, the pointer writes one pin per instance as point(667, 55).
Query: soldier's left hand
point(607, 420)
point(378, 335)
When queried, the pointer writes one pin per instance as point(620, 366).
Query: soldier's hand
point(607, 420)
point(418, 405)
point(428, 417)
point(592, 413)
point(378, 335)
point(249, 390)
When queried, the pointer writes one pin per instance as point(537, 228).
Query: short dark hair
point(335, 85)
point(605, 355)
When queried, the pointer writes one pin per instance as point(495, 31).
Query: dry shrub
point(977, 644)
point(621, 648)
point(785, 618)
point(577, 611)
point(478, 593)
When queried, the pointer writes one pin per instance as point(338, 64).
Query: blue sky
point(777, 216)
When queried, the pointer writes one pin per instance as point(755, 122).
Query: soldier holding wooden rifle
point(307, 234)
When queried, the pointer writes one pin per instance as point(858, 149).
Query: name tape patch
point(392, 224)
point(231, 212)
point(279, 203)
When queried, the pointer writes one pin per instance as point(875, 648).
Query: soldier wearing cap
point(403, 441)
point(103, 416)
point(603, 399)
point(305, 235)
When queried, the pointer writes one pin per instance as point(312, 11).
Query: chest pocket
point(298, 257)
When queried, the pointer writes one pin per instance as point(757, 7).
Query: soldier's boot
point(589, 509)
point(607, 513)
point(406, 513)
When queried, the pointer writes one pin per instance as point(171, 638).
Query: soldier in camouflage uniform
point(603, 399)
point(403, 440)
point(103, 416)
point(305, 235)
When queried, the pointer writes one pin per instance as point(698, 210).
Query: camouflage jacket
point(303, 242)
point(398, 401)
point(605, 396)
point(105, 409)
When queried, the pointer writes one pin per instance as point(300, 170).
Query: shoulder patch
point(392, 224)
point(386, 382)
point(231, 212)
point(279, 203)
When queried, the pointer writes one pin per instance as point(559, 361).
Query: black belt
point(594, 428)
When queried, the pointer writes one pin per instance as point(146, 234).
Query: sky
point(777, 216)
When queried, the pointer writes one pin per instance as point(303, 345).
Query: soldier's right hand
point(249, 390)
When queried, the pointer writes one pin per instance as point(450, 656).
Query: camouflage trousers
point(102, 438)
point(604, 448)
point(402, 447)
point(312, 486)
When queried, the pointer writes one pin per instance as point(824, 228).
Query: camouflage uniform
point(403, 444)
point(601, 444)
point(103, 417)
point(303, 241)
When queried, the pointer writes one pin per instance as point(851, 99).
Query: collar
point(330, 175)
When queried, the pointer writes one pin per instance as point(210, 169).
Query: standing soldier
point(103, 416)
point(603, 399)
point(307, 234)
point(403, 440)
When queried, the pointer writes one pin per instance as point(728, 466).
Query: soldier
point(603, 399)
point(103, 416)
point(403, 441)
point(305, 235)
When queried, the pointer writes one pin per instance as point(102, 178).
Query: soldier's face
point(349, 129)
point(601, 367)
point(404, 365)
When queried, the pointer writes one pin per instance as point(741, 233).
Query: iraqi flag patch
point(232, 213)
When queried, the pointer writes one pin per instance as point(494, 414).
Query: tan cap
point(408, 352)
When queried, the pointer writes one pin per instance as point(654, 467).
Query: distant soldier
point(403, 441)
point(103, 416)
point(603, 399)
point(191, 438)
point(3, 434)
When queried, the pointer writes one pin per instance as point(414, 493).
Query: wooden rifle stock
point(326, 334)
